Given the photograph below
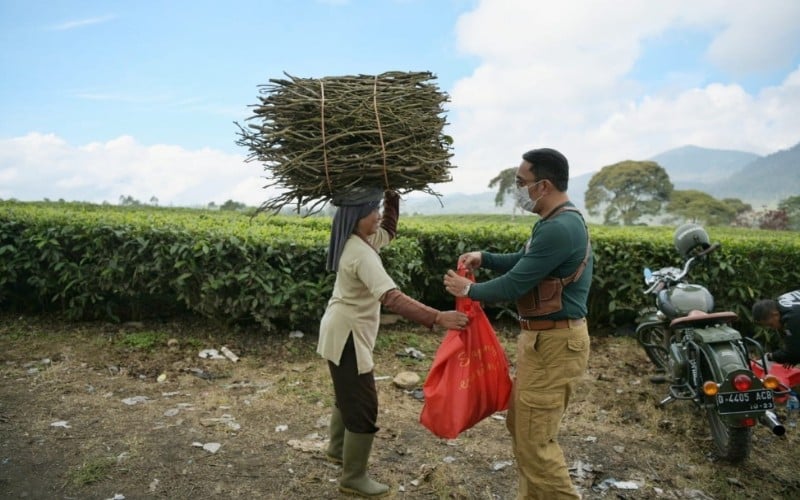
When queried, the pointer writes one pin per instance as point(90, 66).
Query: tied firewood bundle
point(317, 137)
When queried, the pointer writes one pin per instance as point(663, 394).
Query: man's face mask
point(524, 197)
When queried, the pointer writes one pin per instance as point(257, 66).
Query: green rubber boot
point(357, 448)
point(336, 437)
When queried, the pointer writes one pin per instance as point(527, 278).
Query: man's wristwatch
point(465, 291)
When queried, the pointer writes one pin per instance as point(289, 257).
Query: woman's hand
point(452, 320)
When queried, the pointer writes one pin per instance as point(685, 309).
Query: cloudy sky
point(102, 99)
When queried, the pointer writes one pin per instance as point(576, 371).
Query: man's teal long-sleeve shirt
point(556, 248)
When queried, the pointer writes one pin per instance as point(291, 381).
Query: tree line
point(636, 192)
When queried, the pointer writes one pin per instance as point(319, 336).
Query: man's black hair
point(549, 164)
point(763, 308)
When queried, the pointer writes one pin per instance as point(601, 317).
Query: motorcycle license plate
point(744, 402)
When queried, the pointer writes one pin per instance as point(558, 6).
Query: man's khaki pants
point(548, 364)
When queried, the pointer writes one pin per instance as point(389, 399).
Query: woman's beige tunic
point(355, 304)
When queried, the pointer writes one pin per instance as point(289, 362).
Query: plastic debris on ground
point(210, 354)
point(502, 464)
point(209, 447)
point(417, 394)
point(411, 352)
point(620, 485)
point(581, 470)
point(312, 443)
point(225, 420)
point(135, 400)
point(229, 354)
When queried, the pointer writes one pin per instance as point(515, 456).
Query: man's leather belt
point(549, 324)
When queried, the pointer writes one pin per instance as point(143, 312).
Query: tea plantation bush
point(121, 263)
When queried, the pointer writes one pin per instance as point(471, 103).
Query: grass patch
point(144, 341)
point(397, 340)
point(194, 343)
point(15, 335)
point(92, 471)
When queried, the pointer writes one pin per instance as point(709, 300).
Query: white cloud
point(38, 166)
point(81, 23)
point(558, 74)
point(760, 36)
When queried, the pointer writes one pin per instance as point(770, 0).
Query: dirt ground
point(101, 411)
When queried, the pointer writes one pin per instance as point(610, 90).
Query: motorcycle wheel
point(654, 341)
point(733, 443)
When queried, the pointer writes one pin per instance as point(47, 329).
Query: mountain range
point(754, 179)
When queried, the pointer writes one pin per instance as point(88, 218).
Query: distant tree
point(232, 205)
point(738, 206)
point(776, 220)
point(153, 200)
point(791, 206)
point(212, 205)
point(697, 206)
point(506, 185)
point(129, 201)
point(627, 191)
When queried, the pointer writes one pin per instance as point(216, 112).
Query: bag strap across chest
point(582, 266)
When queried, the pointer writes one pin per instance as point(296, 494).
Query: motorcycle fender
point(718, 346)
point(719, 333)
point(723, 358)
point(648, 321)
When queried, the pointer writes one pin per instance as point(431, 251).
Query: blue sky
point(101, 99)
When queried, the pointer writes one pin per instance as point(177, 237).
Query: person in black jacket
point(783, 315)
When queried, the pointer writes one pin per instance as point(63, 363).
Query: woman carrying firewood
point(349, 327)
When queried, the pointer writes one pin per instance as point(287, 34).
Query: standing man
point(549, 278)
point(783, 315)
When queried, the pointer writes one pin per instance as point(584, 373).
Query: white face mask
point(524, 197)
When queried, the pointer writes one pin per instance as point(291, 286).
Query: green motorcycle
point(704, 359)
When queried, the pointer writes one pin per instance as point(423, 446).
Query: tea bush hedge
point(120, 263)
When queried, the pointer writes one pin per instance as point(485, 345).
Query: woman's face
point(369, 224)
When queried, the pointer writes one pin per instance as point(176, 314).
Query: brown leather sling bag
point(545, 298)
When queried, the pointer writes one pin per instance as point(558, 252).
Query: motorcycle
point(704, 359)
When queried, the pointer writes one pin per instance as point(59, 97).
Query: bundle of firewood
point(317, 137)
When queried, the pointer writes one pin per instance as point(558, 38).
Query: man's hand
point(470, 260)
point(455, 284)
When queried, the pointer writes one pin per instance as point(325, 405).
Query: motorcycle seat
point(700, 318)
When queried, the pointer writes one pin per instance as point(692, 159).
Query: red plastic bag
point(469, 378)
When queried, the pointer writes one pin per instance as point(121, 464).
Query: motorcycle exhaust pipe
point(771, 420)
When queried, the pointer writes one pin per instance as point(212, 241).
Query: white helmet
point(689, 237)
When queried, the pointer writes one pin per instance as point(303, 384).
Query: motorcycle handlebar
point(660, 282)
